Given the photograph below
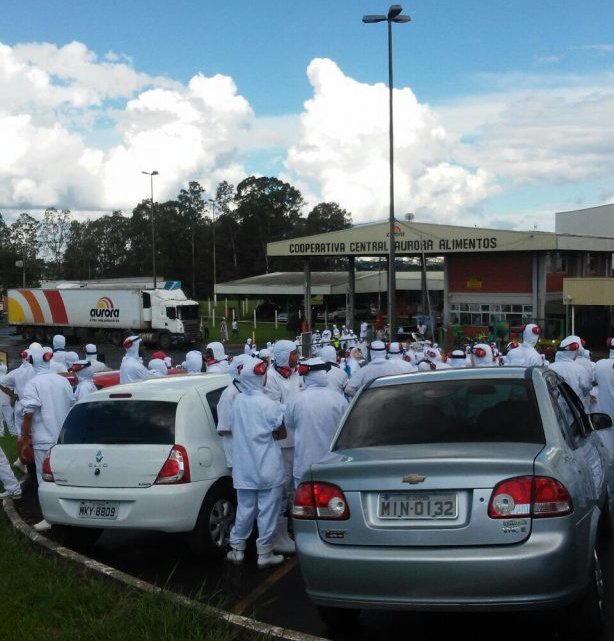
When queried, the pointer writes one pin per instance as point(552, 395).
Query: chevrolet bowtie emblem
point(413, 479)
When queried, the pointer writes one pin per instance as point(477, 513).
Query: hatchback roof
point(164, 388)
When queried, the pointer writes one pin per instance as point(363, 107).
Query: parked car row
point(482, 489)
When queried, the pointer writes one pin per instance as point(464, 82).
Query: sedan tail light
point(315, 500)
point(46, 473)
point(176, 468)
point(531, 496)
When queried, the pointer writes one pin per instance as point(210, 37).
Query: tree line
point(238, 222)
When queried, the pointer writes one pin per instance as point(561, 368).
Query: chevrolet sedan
point(460, 490)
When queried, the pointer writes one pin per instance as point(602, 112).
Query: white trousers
point(39, 457)
point(8, 415)
point(256, 505)
point(7, 478)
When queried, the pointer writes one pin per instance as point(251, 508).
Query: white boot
point(266, 558)
point(20, 466)
point(282, 542)
point(237, 553)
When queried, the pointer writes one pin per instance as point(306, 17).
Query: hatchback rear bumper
point(139, 508)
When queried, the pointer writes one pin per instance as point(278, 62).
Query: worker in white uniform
point(313, 415)
point(248, 347)
point(91, 354)
point(216, 358)
point(283, 381)
point(193, 362)
point(58, 362)
point(482, 355)
point(457, 359)
point(565, 366)
point(131, 368)
point(47, 399)
point(337, 376)
point(13, 384)
point(224, 404)
point(12, 488)
point(433, 355)
point(528, 354)
point(378, 366)
point(395, 353)
point(603, 393)
point(157, 367)
point(587, 376)
point(85, 379)
point(7, 415)
point(258, 469)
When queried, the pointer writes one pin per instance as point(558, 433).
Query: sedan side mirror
point(600, 421)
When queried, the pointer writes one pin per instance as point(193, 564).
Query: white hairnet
point(249, 379)
point(329, 354)
point(158, 366)
point(194, 361)
point(377, 350)
point(281, 352)
point(59, 342)
point(218, 350)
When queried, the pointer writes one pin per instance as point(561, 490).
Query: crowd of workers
point(281, 410)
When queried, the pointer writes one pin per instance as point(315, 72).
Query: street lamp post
point(394, 15)
point(213, 232)
point(151, 174)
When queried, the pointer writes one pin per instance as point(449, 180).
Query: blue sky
point(502, 114)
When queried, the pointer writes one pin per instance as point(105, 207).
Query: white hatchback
point(143, 455)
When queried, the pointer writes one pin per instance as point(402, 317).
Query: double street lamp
point(151, 174)
point(394, 15)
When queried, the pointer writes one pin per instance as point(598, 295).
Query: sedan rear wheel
point(585, 617)
point(338, 618)
point(211, 534)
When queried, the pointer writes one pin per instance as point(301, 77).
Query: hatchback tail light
point(46, 473)
point(315, 500)
point(531, 496)
point(176, 468)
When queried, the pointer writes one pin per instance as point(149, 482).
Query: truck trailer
point(110, 310)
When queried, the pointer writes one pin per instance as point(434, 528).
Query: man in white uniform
point(194, 362)
point(12, 489)
point(378, 366)
point(283, 381)
point(46, 400)
point(313, 415)
point(224, 404)
point(247, 348)
point(58, 362)
point(528, 355)
point(336, 376)
point(482, 355)
point(257, 472)
point(6, 407)
point(395, 353)
point(85, 375)
point(565, 366)
point(131, 368)
point(604, 383)
point(216, 358)
point(91, 354)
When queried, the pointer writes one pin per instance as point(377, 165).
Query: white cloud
point(344, 149)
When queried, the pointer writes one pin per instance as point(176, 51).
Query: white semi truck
point(105, 309)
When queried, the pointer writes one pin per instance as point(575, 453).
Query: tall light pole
point(394, 15)
point(213, 232)
point(151, 174)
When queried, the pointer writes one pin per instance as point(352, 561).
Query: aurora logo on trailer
point(104, 309)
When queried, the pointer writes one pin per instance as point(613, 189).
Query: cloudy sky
point(504, 110)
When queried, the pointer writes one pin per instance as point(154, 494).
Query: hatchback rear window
point(443, 412)
point(129, 422)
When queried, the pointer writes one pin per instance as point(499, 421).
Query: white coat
point(313, 415)
point(220, 363)
point(604, 379)
point(378, 366)
point(16, 380)
point(131, 368)
point(571, 373)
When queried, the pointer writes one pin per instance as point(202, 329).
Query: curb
point(97, 568)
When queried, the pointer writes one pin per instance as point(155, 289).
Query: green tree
point(24, 234)
point(54, 236)
point(323, 218)
point(268, 209)
point(191, 207)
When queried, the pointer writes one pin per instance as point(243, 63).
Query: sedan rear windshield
point(130, 422)
point(443, 412)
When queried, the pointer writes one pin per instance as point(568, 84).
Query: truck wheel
point(164, 340)
point(210, 536)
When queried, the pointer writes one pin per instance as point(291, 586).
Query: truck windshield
point(188, 312)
